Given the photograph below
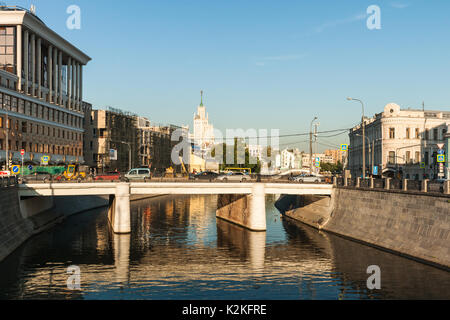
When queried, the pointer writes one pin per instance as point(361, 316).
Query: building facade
point(113, 129)
point(400, 142)
point(41, 91)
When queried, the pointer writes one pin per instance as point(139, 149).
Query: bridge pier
point(119, 215)
point(248, 211)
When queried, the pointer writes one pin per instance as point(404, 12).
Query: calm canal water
point(178, 250)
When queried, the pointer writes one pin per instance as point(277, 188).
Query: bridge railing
point(406, 185)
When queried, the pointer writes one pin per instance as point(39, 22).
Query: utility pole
point(310, 146)
point(363, 126)
point(7, 138)
point(315, 141)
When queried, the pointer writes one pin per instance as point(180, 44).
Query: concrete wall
point(416, 226)
point(234, 208)
point(14, 229)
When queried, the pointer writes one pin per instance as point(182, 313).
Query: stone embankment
point(410, 224)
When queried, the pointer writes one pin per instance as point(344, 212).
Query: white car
point(233, 176)
point(309, 178)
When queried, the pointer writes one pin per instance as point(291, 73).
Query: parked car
point(205, 175)
point(108, 176)
point(309, 178)
point(233, 176)
point(138, 174)
point(37, 177)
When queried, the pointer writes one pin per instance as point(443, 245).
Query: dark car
point(37, 177)
point(205, 175)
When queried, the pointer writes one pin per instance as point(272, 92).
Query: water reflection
point(248, 244)
point(179, 250)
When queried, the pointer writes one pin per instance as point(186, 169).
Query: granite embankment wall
point(21, 219)
point(410, 224)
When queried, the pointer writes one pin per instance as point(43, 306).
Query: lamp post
point(364, 137)
point(129, 153)
point(370, 150)
point(7, 138)
point(310, 146)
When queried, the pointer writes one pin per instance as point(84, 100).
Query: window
point(7, 49)
point(417, 133)
point(408, 133)
point(1, 144)
point(1, 123)
point(426, 160)
point(408, 157)
point(426, 134)
point(24, 127)
point(391, 133)
point(391, 159)
point(435, 134)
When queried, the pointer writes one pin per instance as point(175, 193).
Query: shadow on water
point(401, 278)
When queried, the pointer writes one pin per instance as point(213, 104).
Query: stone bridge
point(240, 203)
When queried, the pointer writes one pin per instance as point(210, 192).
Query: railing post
point(372, 183)
point(425, 185)
point(387, 184)
point(358, 182)
point(405, 185)
point(447, 187)
point(345, 182)
point(334, 181)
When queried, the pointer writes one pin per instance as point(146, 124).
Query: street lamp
point(364, 135)
point(129, 153)
point(370, 150)
point(7, 138)
point(310, 146)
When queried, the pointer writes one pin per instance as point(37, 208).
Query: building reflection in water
point(179, 250)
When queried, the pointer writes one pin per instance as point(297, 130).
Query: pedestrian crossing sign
point(441, 158)
point(344, 147)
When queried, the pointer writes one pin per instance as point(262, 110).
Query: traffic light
point(9, 163)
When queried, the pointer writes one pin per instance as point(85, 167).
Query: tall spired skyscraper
point(203, 131)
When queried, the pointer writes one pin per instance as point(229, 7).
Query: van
point(138, 174)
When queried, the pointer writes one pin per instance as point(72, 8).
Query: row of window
point(27, 127)
point(408, 158)
point(40, 148)
point(428, 134)
point(27, 108)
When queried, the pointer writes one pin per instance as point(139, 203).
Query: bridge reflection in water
point(178, 250)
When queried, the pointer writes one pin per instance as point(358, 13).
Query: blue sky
point(261, 64)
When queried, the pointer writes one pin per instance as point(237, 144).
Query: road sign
point(375, 170)
point(422, 165)
point(30, 167)
point(5, 173)
point(15, 169)
point(317, 163)
point(45, 159)
point(441, 158)
point(22, 152)
point(441, 151)
point(112, 154)
point(440, 145)
point(344, 147)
